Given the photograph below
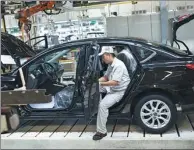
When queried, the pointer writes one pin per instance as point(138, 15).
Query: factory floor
point(75, 134)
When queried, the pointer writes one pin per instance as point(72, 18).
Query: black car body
point(159, 75)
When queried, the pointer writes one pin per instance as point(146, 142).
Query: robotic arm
point(45, 6)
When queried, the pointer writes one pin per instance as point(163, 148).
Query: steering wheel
point(50, 71)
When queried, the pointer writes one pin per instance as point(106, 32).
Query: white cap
point(106, 49)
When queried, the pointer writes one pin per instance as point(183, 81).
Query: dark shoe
point(99, 136)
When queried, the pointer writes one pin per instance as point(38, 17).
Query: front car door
point(90, 85)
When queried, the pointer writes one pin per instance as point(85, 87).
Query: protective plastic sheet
point(128, 60)
point(44, 105)
point(133, 63)
point(64, 98)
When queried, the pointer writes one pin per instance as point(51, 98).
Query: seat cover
point(126, 57)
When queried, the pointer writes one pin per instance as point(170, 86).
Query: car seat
point(131, 65)
point(128, 60)
point(32, 82)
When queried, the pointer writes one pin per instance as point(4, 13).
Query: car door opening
point(56, 73)
point(123, 53)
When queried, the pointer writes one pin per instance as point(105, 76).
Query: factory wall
point(144, 25)
point(150, 6)
point(148, 26)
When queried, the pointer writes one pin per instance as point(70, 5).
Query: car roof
point(145, 42)
point(18, 47)
point(137, 40)
point(112, 38)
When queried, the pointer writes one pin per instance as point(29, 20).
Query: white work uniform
point(117, 71)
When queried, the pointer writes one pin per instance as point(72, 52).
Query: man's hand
point(109, 83)
point(103, 79)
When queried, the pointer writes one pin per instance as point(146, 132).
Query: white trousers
point(103, 110)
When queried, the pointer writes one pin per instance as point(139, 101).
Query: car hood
point(10, 45)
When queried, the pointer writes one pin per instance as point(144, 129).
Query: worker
point(114, 83)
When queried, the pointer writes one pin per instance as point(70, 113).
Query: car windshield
point(55, 56)
point(52, 57)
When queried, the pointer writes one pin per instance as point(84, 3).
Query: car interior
point(56, 73)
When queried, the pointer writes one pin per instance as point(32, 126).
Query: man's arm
point(103, 79)
point(116, 78)
point(109, 83)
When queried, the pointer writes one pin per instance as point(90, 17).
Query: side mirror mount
point(17, 60)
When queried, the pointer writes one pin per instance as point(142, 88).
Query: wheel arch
point(175, 98)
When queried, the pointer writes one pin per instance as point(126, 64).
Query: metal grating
point(77, 129)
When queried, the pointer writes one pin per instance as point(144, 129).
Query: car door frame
point(139, 73)
point(37, 42)
point(87, 101)
point(52, 50)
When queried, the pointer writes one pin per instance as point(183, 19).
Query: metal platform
point(73, 134)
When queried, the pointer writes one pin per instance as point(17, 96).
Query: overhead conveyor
point(74, 133)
